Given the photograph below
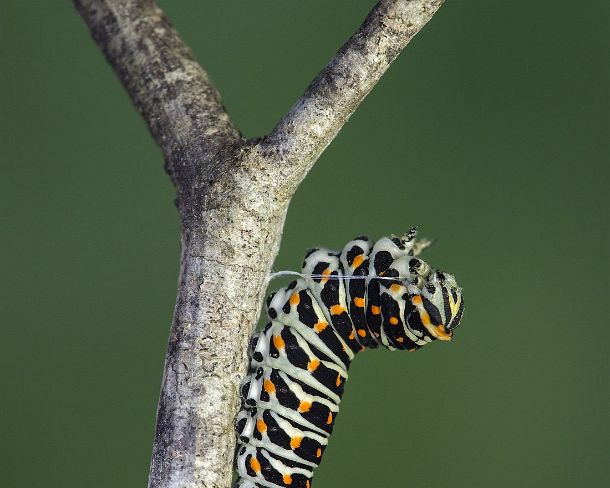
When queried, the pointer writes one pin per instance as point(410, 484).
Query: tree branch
point(233, 197)
point(318, 116)
point(166, 84)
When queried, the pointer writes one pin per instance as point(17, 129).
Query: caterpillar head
point(437, 303)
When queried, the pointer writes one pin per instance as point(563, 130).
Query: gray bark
point(232, 196)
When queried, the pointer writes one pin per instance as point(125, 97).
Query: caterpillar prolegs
point(368, 294)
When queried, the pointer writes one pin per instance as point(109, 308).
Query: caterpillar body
point(367, 295)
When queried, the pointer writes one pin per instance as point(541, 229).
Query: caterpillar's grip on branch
point(367, 295)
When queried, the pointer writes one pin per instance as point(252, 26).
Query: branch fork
point(232, 195)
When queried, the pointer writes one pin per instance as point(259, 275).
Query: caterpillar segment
point(366, 295)
point(355, 263)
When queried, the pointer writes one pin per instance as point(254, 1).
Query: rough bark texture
point(232, 195)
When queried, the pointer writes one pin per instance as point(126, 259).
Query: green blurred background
point(494, 128)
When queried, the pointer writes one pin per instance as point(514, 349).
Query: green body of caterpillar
point(367, 295)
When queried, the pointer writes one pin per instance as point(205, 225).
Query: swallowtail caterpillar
point(367, 295)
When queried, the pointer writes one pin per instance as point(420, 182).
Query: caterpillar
point(367, 295)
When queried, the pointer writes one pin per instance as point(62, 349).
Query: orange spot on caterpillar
point(359, 302)
point(361, 332)
point(393, 321)
point(320, 326)
point(318, 452)
point(307, 485)
point(295, 298)
point(287, 479)
point(352, 336)
point(338, 381)
point(295, 442)
point(268, 386)
point(358, 260)
point(278, 342)
point(425, 318)
point(442, 333)
point(336, 310)
point(329, 420)
point(304, 407)
point(400, 339)
point(375, 310)
point(255, 465)
point(261, 425)
point(416, 300)
point(313, 365)
point(325, 274)
point(396, 288)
